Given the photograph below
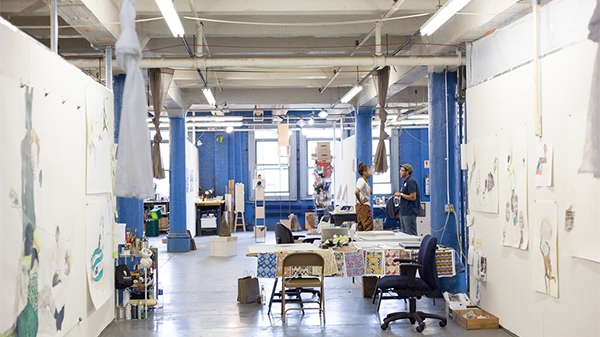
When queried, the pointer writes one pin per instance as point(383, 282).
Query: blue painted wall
point(413, 148)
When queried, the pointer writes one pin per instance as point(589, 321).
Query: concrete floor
point(200, 295)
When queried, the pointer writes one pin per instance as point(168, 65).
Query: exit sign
point(426, 163)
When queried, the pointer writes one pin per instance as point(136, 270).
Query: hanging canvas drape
point(591, 153)
point(160, 80)
point(134, 166)
point(381, 85)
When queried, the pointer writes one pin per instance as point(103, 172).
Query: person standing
point(410, 201)
point(363, 197)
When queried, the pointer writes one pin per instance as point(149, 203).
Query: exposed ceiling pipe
point(378, 24)
point(286, 62)
point(389, 13)
point(201, 42)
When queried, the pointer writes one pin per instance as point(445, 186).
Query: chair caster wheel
point(443, 323)
point(412, 321)
point(384, 326)
point(420, 328)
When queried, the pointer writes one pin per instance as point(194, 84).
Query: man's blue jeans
point(408, 224)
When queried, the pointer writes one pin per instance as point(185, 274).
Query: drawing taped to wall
point(99, 142)
point(513, 178)
point(37, 252)
point(545, 254)
point(482, 165)
point(98, 249)
point(543, 168)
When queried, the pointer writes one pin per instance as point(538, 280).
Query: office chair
point(284, 235)
point(296, 283)
point(412, 287)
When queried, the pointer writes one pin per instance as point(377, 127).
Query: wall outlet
point(448, 208)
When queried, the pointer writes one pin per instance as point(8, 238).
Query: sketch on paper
point(513, 178)
point(544, 247)
point(543, 167)
point(37, 256)
point(98, 248)
point(482, 165)
point(99, 143)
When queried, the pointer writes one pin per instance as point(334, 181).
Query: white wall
point(499, 104)
point(59, 149)
point(191, 169)
point(344, 165)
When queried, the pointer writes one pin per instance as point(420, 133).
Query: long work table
point(357, 259)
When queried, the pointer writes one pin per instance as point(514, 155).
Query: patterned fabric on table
point(374, 262)
point(445, 262)
point(355, 263)
point(267, 265)
point(391, 267)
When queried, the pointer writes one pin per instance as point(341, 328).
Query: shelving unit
point(141, 292)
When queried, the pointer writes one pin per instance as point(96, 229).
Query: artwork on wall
point(543, 167)
point(581, 214)
point(482, 166)
point(513, 182)
point(544, 247)
point(98, 249)
point(99, 142)
point(37, 248)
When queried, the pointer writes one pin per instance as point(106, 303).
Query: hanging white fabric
point(134, 164)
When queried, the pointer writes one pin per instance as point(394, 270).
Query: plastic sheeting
point(134, 164)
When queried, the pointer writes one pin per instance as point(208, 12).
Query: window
point(382, 183)
point(310, 139)
point(265, 151)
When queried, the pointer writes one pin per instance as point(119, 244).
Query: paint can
point(134, 311)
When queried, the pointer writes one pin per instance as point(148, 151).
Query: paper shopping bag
point(248, 289)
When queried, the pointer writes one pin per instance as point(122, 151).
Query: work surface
point(376, 259)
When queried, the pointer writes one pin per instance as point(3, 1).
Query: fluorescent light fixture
point(209, 96)
point(170, 14)
point(351, 93)
point(218, 125)
point(442, 15)
point(323, 113)
point(214, 119)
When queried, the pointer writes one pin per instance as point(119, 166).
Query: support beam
point(289, 62)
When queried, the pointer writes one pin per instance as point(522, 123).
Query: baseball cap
point(407, 167)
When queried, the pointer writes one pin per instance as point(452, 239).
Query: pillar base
point(178, 242)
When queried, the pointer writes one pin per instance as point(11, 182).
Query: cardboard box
point(323, 147)
point(491, 322)
point(369, 286)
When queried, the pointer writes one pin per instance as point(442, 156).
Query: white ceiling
point(284, 57)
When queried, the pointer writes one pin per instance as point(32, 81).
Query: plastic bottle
point(128, 311)
point(126, 296)
point(263, 296)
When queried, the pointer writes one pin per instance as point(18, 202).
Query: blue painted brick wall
point(413, 147)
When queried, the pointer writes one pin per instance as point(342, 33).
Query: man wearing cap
point(410, 201)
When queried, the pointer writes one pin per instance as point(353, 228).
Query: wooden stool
point(236, 224)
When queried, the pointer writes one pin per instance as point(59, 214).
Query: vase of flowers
point(340, 240)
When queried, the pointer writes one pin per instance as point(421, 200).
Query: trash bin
point(151, 227)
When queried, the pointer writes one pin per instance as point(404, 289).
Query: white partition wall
point(56, 141)
point(533, 298)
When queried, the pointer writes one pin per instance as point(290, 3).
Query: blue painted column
point(364, 139)
point(178, 239)
point(445, 168)
point(129, 210)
